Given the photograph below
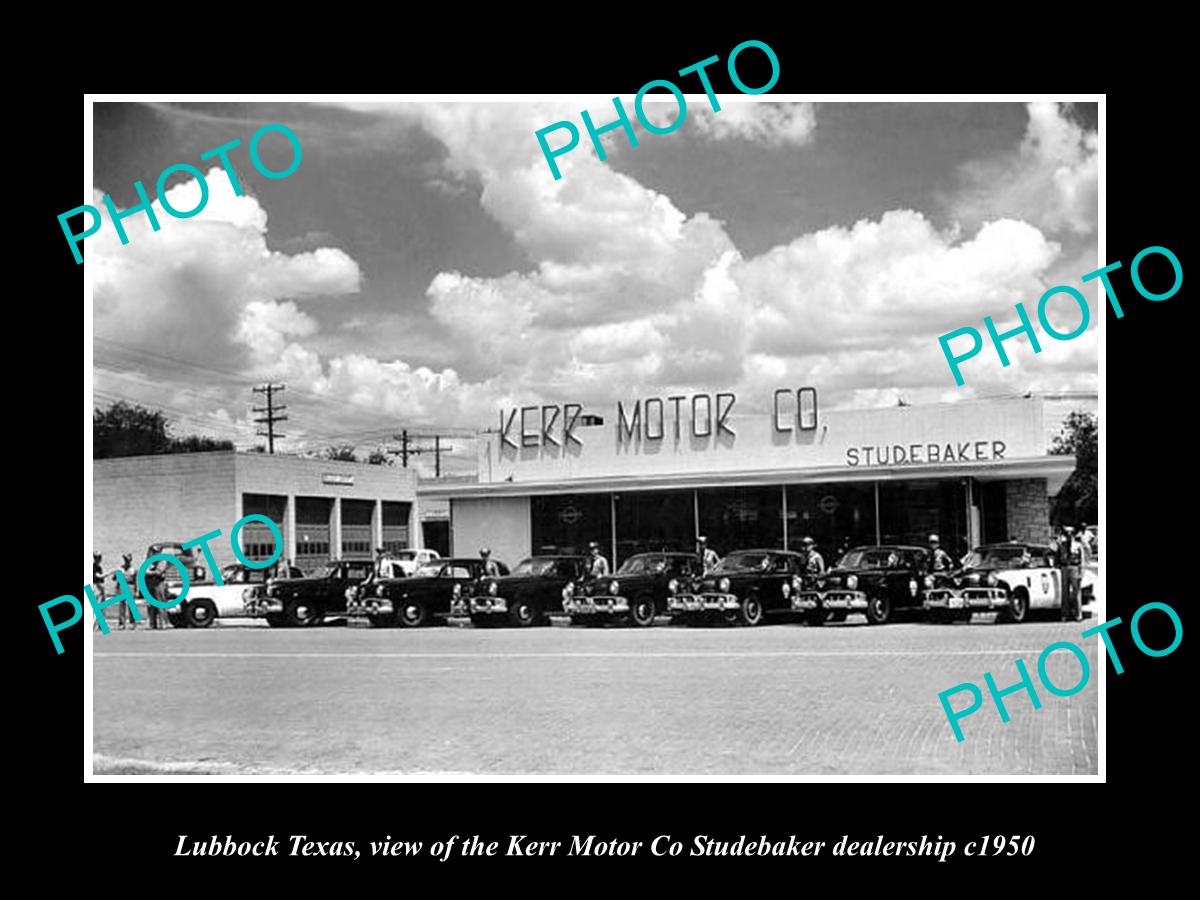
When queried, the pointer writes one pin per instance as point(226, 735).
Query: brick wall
point(140, 500)
point(1028, 510)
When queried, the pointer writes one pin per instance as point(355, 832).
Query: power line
point(270, 418)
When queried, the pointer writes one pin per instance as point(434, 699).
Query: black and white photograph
point(550, 437)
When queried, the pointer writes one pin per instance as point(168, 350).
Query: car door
point(916, 564)
point(450, 575)
point(1045, 589)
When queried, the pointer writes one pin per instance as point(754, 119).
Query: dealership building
point(655, 473)
point(323, 509)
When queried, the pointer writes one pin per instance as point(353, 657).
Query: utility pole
point(270, 409)
point(407, 449)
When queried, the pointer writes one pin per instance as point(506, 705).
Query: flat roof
point(1055, 469)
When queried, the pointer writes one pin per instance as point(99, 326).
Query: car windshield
point(744, 561)
point(405, 555)
point(643, 565)
point(535, 566)
point(870, 558)
point(988, 557)
point(231, 573)
point(429, 570)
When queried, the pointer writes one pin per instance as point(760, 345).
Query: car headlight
point(992, 579)
point(852, 582)
point(928, 581)
point(569, 590)
point(673, 585)
point(972, 579)
point(199, 574)
point(723, 586)
point(493, 588)
point(614, 588)
point(380, 590)
point(456, 592)
point(797, 583)
point(787, 590)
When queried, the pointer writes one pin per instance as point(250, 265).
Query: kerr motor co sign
point(653, 419)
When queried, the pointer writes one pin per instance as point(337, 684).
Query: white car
point(408, 561)
point(1013, 579)
point(207, 600)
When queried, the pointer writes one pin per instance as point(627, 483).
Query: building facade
point(324, 509)
point(656, 473)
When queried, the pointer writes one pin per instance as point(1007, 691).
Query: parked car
point(877, 581)
point(408, 561)
point(301, 602)
point(207, 601)
point(636, 593)
point(526, 596)
point(419, 599)
point(1014, 579)
point(744, 587)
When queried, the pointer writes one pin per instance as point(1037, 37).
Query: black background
point(1150, 453)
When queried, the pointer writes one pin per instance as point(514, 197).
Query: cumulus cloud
point(628, 293)
point(624, 293)
point(1050, 180)
point(770, 124)
point(208, 290)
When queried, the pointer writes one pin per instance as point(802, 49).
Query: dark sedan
point(877, 581)
point(743, 587)
point(525, 597)
point(419, 599)
point(637, 593)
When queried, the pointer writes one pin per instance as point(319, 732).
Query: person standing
point(707, 555)
point(814, 563)
point(491, 569)
point(130, 574)
point(939, 559)
point(98, 578)
point(1070, 560)
point(156, 587)
point(597, 564)
point(383, 564)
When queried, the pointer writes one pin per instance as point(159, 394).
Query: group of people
point(155, 578)
point(1074, 551)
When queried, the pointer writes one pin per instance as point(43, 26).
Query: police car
point(1013, 579)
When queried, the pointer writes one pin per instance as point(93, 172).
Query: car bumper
point(966, 598)
point(481, 606)
point(262, 606)
point(370, 606)
point(588, 606)
point(836, 600)
point(686, 603)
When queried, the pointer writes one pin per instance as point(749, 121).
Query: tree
point(341, 453)
point(128, 429)
point(1078, 500)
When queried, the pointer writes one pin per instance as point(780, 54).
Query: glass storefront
point(836, 516)
point(741, 518)
point(567, 523)
point(910, 511)
point(655, 520)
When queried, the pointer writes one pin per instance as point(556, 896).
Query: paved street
point(779, 699)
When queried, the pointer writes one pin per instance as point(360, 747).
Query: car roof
point(662, 553)
point(556, 556)
point(458, 560)
point(887, 547)
point(1008, 545)
point(774, 550)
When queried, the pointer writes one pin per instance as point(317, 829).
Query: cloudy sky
point(423, 268)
